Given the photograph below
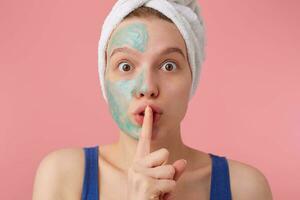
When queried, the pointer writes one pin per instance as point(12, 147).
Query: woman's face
point(139, 71)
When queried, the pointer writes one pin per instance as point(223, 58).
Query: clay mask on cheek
point(119, 93)
point(119, 96)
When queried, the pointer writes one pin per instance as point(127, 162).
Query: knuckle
point(137, 180)
point(136, 166)
point(130, 171)
point(173, 184)
point(165, 151)
point(145, 184)
point(171, 170)
point(156, 175)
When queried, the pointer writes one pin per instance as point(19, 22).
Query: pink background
point(246, 106)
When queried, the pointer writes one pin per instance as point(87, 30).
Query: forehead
point(146, 35)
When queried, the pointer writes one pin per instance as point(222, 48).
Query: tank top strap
point(220, 179)
point(90, 190)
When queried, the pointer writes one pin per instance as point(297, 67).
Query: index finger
point(143, 146)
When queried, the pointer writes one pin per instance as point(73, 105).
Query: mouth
point(140, 113)
point(139, 118)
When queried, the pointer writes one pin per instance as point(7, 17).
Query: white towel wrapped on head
point(184, 14)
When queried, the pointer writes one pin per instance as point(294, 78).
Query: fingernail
point(185, 161)
point(148, 109)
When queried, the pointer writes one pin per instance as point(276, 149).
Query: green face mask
point(120, 93)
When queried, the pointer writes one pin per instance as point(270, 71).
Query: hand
point(150, 176)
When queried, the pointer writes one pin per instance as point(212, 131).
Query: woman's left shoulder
point(248, 182)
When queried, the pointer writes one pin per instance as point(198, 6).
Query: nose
point(148, 87)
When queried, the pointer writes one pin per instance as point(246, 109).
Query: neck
point(171, 140)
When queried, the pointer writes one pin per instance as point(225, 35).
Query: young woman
point(147, 82)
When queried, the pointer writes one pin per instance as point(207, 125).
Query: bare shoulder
point(247, 182)
point(60, 175)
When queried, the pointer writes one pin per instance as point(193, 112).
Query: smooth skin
point(60, 173)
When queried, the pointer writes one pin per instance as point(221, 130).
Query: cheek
point(179, 108)
point(178, 88)
point(117, 106)
point(120, 93)
point(124, 88)
point(177, 96)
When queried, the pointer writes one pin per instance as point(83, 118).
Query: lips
point(140, 113)
point(142, 108)
point(140, 118)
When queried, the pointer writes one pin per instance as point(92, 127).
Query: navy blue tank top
point(220, 180)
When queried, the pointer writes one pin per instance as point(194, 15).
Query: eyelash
point(167, 61)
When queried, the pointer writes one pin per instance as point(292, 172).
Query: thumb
point(179, 166)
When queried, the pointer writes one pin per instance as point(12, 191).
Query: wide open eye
point(169, 66)
point(124, 66)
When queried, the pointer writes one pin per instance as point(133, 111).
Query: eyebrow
point(165, 51)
